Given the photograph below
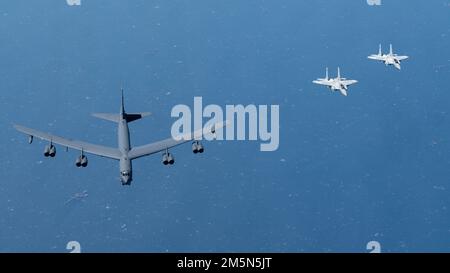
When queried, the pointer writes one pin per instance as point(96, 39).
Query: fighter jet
point(336, 84)
point(388, 59)
point(124, 153)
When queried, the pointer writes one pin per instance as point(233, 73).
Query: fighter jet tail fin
point(339, 73)
point(379, 50)
point(326, 74)
point(391, 52)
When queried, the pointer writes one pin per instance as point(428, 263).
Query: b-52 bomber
point(124, 153)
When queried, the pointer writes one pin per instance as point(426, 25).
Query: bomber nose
point(125, 177)
point(126, 180)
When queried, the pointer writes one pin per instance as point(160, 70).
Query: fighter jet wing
point(377, 57)
point(322, 82)
point(99, 150)
point(162, 145)
point(401, 58)
point(349, 82)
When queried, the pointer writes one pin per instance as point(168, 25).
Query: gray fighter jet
point(124, 153)
point(388, 59)
point(335, 84)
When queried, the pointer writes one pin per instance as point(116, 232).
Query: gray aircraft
point(335, 84)
point(124, 153)
point(388, 59)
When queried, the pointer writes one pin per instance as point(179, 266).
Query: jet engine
point(84, 161)
point(78, 161)
point(171, 159)
point(81, 161)
point(165, 161)
point(52, 151)
point(49, 150)
point(168, 159)
point(197, 147)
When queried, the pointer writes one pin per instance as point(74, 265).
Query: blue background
point(370, 166)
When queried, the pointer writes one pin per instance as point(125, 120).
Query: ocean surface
point(372, 166)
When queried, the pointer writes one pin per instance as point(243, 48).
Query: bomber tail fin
point(122, 104)
point(107, 116)
point(135, 116)
point(129, 117)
